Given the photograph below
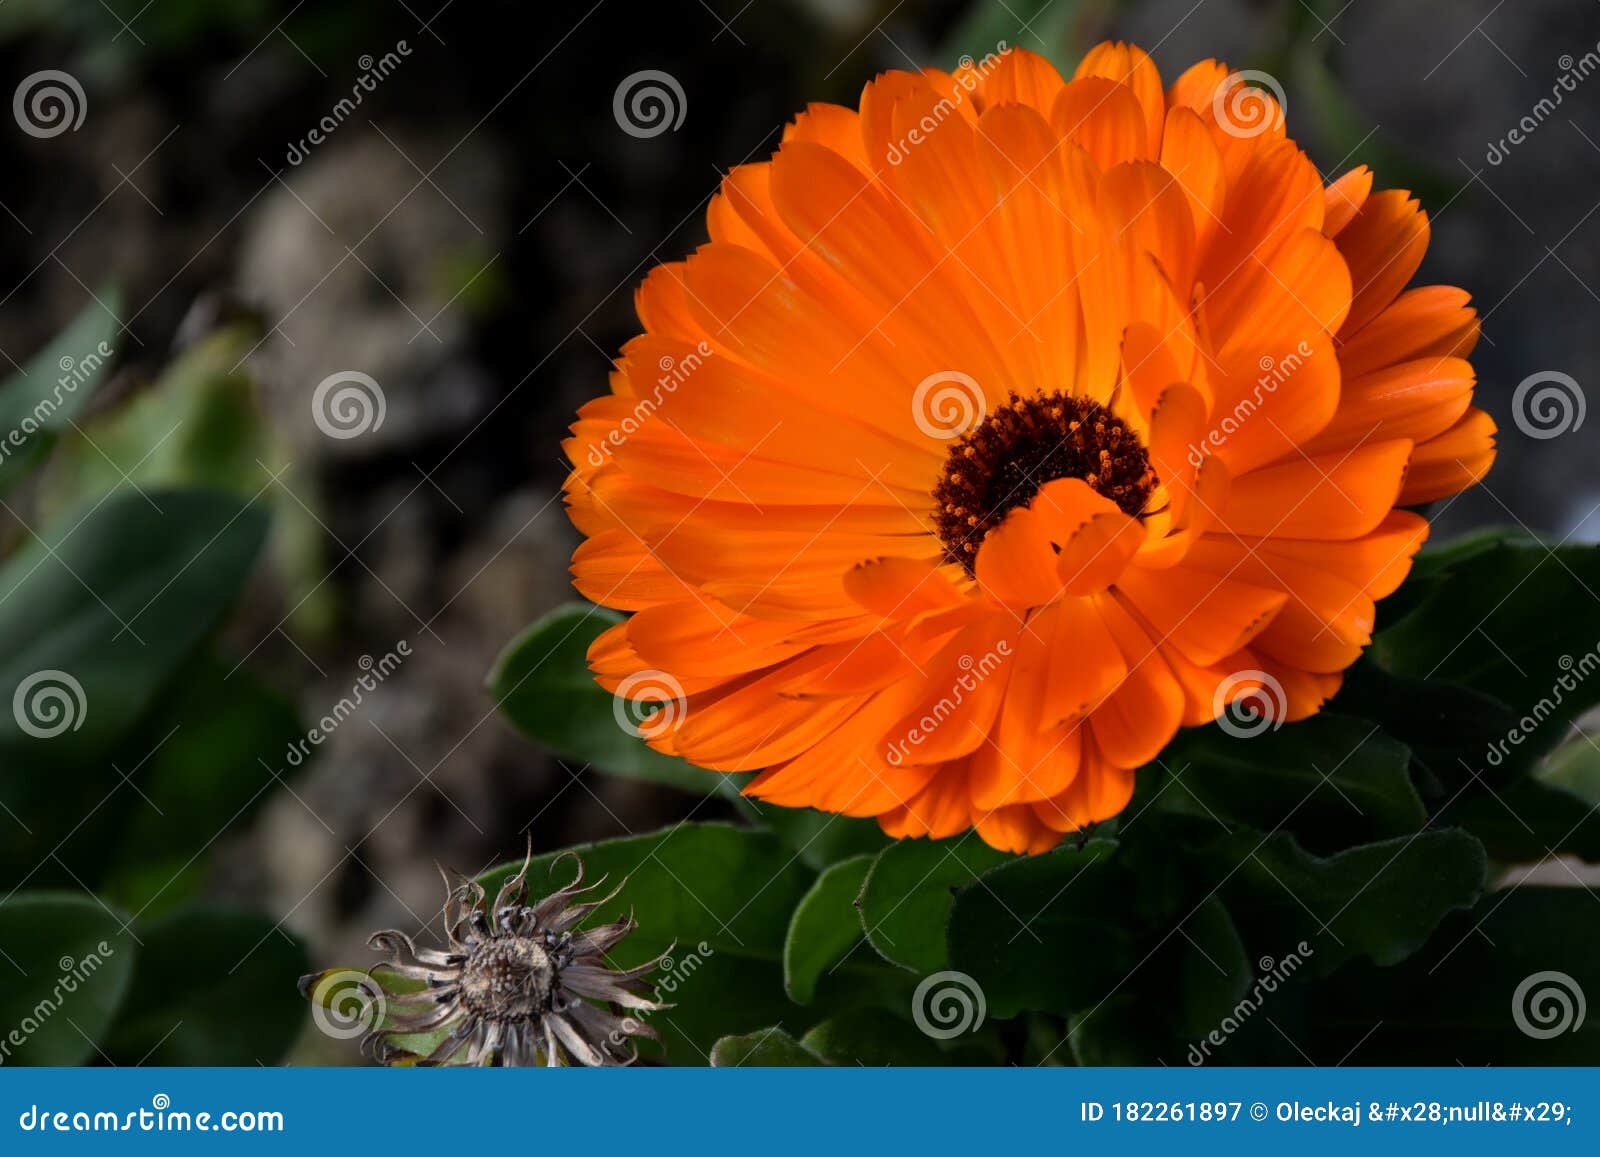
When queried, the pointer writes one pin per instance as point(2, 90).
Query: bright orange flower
point(1004, 427)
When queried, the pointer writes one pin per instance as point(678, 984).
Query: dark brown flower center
point(508, 978)
point(1018, 447)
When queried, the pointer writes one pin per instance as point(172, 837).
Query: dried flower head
point(518, 984)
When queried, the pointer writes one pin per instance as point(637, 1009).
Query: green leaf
point(201, 425)
point(1213, 970)
point(905, 902)
point(765, 1048)
point(728, 887)
point(1501, 984)
point(198, 425)
point(106, 608)
point(1449, 729)
point(205, 761)
point(42, 400)
point(211, 987)
point(1526, 821)
point(874, 1038)
point(824, 928)
point(67, 962)
point(1491, 625)
point(1379, 900)
point(1046, 933)
point(542, 683)
point(1330, 779)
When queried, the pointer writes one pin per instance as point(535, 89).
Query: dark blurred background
point(470, 235)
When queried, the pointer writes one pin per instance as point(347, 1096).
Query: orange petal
point(1429, 321)
point(1085, 663)
point(1141, 716)
point(1416, 400)
point(1343, 495)
point(962, 690)
point(1130, 65)
point(1344, 199)
point(1191, 156)
point(902, 588)
point(1205, 617)
point(1016, 566)
point(1383, 245)
point(1093, 540)
point(1453, 461)
point(1013, 76)
point(1103, 117)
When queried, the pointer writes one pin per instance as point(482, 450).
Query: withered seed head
point(518, 983)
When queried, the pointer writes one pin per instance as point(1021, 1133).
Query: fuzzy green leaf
point(1046, 933)
point(905, 902)
point(824, 928)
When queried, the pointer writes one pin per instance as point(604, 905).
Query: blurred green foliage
point(132, 742)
